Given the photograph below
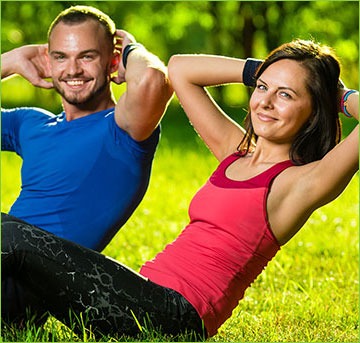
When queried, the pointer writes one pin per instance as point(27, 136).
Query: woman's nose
point(267, 100)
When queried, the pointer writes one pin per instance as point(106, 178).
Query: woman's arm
point(299, 191)
point(328, 177)
point(343, 160)
point(351, 105)
point(189, 75)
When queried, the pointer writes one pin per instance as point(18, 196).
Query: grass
point(308, 293)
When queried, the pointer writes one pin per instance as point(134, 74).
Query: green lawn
point(308, 293)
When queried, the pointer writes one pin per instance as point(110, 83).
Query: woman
point(288, 164)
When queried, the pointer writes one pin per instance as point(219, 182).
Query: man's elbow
point(156, 84)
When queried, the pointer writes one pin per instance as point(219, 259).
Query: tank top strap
point(268, 175)
point(219, 178)
point(227, 161)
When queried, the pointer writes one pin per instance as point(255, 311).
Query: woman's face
point(280, 104)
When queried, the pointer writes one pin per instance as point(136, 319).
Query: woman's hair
point(78, 14)
point(323, 129)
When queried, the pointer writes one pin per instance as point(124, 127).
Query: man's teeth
point(75, 83)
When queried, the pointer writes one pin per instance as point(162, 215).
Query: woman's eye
point(285, 95)
point(261, 87)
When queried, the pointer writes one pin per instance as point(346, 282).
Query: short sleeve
point(10, 125)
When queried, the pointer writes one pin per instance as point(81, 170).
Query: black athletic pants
point(47, 274)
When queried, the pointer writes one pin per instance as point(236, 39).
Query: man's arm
point(148, 91)
point(29, 61)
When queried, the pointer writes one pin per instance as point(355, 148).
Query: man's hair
point(78, 14)
point(323, 130)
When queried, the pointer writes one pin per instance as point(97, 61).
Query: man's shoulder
point(28, 116)
point(28, 111)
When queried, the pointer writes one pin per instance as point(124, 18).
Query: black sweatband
point(130, 47)
point(249, 71)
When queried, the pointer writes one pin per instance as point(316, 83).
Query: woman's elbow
point(174, 67)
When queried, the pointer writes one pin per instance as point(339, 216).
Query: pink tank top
point(226, 245)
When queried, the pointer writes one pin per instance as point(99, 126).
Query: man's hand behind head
point(29, 61)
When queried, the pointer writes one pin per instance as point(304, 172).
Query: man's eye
point(59, 57)
point(88, 57)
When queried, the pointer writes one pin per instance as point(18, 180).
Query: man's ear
point(48, 71)
point(115, 62)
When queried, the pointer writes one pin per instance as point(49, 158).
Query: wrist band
point(249, 71)
point(343, 102)
point(125, 53)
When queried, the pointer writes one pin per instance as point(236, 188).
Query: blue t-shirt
point(81, 179)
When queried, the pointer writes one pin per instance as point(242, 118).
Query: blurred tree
point(233, 28)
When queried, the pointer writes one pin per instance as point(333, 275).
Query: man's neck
point(83, 110)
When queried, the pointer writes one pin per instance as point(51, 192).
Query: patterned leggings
point(47, 274)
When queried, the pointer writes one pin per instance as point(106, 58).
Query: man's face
point(80, 61)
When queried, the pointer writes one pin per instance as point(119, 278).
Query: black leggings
point(47, 274)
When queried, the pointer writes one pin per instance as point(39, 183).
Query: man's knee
point(18, 304)
point(17, 300)
point(10, 232)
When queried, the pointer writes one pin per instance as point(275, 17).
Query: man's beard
point(79, 99)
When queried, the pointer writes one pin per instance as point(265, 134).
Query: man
point(86, 170)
